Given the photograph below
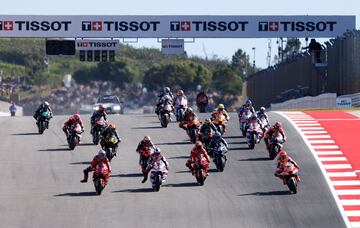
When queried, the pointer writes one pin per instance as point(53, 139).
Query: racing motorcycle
point(200, 174)
point(100, 125)
point(43, 121)
point(181, 105)
point(264, 124)
point(220, 122)
point(192, 129)
point(101, 176)
point(253, 134)
point(206, 139)
point(74, 135)
point(276, 143)
point(243, 121)
point(164, 114)
point(291, 177)
point(158, 174)
point(110, 145)
point(219, 156)
point(145, 154)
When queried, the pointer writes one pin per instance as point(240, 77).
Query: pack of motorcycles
point(158, 173)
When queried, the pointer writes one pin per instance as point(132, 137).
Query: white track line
point(312, 128)
point(308, 125)
point(329, 141)
point(346, 183)
point(314, 132)
point(326, 147)
point(355, 224)
point(334, 152)
point(337, 166)
point(350, 202)
point(342, 174)
point(332, 158)
point(349, 192)
point(305, 121)
point(318, 136)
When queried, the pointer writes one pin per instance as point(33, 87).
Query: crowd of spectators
point(10, 85)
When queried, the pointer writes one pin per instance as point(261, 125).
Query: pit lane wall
point(4, 109)
point(326, 101)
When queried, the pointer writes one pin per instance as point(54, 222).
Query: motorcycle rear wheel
point(291, 183)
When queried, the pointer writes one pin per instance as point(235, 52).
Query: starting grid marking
point(338, 171)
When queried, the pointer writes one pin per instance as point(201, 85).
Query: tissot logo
point(180, 26)
point(97, 26)
point(298, 26)
point(122, 26)
point(7, 25)
point(34, 25)
point(272, 26)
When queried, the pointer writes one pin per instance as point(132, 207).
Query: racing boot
point(145, 178)
point(86, 176)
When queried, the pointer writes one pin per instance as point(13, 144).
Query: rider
point(202, 101)
point(44, 107)
point(143, 149)
point(164, 92)
point(198, 156)
point(155, 158)
point(276, 128)
point(179, 96)
point(110, 131)
point(99, 160)
point(262, 114)
point(282, 161)
point(215, 142)
point(189, 115)
point(246, 107)
point(97, 114)
point(220, 111)
point(12, 108)
point(74, 119)
point(205, 129)
point(253, 120)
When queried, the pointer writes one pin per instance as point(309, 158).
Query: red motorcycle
point(193, 128)
point(291, 177)
point(200, 171)
point(101, 176)
point(74, 136)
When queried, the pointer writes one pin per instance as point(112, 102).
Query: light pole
point(254, 57)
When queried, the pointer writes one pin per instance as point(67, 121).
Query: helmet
point(282, 155)
point(157, 151)
point(207, 121)
point(101, 107)
point(147, 138)
point(166, 90)
point(220, 106)
point(198, 145)
point(112, 126)
point(248, 102)
point(76, 117)
point(101, 153)
point(217, 135)
point(262, 109)
point(253, 117)
point(189, 111)
point(277, 125)
point(46, 104)
point(180, 92)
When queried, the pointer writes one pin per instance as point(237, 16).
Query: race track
point(40, 182)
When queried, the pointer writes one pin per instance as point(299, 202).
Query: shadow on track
point(213, 171)
point(179, 185)
point(55, 149)
point(184, 171)
point(152, 127)
point(179, 157)
point(77, 194)
point(24, 134)
point(255, 159)
point(87, 144)
point(135, 190)
point(128, 175)
point(271, 193)
point(175, 143)
point(237, 142)
point(81, 163)
point(239, 148)
point(233, 137)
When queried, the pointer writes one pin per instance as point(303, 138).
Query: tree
point(227, 81)
point(240, 62)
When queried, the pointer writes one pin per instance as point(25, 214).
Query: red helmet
point(101, 107)
point(180, 92)
point(277, 125)
point(198, 145)
point(147, 138)
point(282, 156)
point(76, 117)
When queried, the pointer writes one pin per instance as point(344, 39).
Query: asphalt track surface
point(40, 182)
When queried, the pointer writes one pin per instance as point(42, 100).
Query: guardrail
point(325, 100)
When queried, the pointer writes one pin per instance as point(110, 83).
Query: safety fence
point(355, 99)
point(326, 100)
point(338, 71)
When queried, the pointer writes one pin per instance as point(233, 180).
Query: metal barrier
point(355, 99)
point(326, 100)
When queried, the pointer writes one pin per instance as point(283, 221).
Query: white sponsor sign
point(343, 103)
point(97, 45)
point(179, 26)
point(172, 46)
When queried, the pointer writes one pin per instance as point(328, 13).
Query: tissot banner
point(97, 44)
point(181, 26)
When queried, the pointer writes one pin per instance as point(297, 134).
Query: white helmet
point(101, 153)
point(262, 109)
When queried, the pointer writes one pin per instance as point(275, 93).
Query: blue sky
point(223, 48)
